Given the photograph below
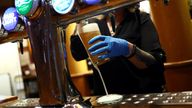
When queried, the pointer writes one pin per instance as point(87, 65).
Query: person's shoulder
point(144, 17)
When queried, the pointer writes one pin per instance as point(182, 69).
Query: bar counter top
point(155, 100)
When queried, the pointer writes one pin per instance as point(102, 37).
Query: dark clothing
point(119, 74)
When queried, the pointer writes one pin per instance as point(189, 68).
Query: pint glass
point(87, 32)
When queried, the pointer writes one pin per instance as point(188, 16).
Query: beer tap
point(48, 48)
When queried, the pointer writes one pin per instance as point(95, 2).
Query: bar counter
point(155, 100)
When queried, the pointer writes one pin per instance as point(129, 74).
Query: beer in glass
point(87, 32)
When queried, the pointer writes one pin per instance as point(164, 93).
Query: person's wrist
point(132, 49)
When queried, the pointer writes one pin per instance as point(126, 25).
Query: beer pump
point(48, 49)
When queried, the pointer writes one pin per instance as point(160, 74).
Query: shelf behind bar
point(178, 64)
point(94, 10)
point(12, 37)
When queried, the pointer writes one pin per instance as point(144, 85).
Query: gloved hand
point(109, 46)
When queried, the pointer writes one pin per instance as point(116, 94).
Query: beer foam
point(90, 27)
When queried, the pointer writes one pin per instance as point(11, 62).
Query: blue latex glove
point(110, 46)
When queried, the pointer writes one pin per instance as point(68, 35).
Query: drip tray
point(181, 98)
point(160, 100)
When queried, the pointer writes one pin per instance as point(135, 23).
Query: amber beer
point(88, 32)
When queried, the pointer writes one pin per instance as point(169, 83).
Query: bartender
point(135, 53)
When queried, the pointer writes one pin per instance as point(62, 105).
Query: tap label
point(10, 19)
point(23, 6)
point(63, 6)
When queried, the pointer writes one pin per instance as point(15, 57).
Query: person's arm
point(140, 58)
point(151, 52)
point(114, 47)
